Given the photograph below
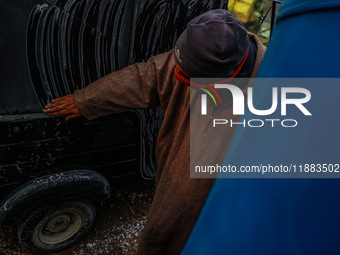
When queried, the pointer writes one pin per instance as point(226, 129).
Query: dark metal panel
point(29, 149)
point(16, 93)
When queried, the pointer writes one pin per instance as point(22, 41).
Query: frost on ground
point(121, 239)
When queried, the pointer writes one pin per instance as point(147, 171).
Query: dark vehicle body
point(49, 49)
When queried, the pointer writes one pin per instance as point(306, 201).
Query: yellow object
point(241, 9)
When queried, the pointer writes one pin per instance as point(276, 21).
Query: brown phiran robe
point(178, 198)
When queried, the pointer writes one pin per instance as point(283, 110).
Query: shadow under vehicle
point(53, 171)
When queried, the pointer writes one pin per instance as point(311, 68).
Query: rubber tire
point(30, 229)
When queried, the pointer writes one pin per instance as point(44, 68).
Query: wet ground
point(118, 224)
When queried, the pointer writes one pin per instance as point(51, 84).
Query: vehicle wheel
point(56, 226)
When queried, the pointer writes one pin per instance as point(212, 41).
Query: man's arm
point(141, 85)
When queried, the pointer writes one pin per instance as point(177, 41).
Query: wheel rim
point(59, 228)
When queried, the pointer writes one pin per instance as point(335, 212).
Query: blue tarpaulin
point(284, 216)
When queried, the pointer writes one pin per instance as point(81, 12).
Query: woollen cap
point(213, 45)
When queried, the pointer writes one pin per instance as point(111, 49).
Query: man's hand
point(63, 106)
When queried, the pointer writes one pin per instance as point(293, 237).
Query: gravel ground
point(118, 224)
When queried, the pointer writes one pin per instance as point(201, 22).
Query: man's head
point(214, 44)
